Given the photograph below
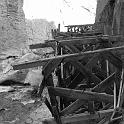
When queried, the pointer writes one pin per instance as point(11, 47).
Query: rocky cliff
point(38, 30)
point(111, 13)
point(12, 26)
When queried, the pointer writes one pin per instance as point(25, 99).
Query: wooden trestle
point(90, 73)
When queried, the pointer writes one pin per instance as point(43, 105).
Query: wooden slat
point(42, 61)
point(78, 94)
point(99, 88)
point(80, 117)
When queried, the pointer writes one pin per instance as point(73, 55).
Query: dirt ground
point(18, 107)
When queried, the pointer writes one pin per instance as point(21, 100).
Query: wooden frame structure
point(90, 73)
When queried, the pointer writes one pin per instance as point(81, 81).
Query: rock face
point(100, 7)
point(39, 30)
point(12, 26)
point(110, 12)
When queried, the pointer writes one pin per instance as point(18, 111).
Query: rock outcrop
point(110, 12)
point(12, 26)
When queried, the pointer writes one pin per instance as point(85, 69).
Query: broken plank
point(78, 94)
point(80, 117)
point(42, 61)
point(99, 88)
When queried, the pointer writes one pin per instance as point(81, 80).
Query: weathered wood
point(78, 94)
point(47, 70)
point(48, 105)
point(116, 61)
point(43, 61)
point(121, 90)
point(42, 45)
point(76, 34)
point(93, 39)
point(85, 72)
point(53, 100)
point(92, 62)
point(72, 107)
point(50, 66)
point(91, 108)
point(99, 88)
point(73, 48)
point(104, 84)
point(80, 117)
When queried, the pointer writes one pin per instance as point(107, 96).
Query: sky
point(65, 12)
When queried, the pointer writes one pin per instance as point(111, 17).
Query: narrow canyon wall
point(12, 26)
point(111, 13)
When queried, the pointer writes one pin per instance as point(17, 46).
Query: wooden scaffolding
point(90, 73)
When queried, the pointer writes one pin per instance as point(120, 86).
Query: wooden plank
point(50, 66)
point(121, 90)
point(42, 61)
point(76, 34)
point(85, 71)
point(48, 105)
point(42, 45)
point(53, 100)
point(73, 48)
point(104, 84)
point(92, 62)
point(80, 117)
point(72, 107)
point(99, 88)
point(93, 39)
point(78, 94)
point(116, 61)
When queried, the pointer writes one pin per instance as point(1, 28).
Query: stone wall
point(12, 26)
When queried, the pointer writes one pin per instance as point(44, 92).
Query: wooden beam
point(99, 88)
point(104, 84)
point(116, 61)
point(85, 71)
point(27, 65)
point(80, 117)
point(53, 100)
point(93, 39)
point(78, 94)
point(42, 45)
point(73, 48)
point(42, 61)
point(72, 107)
point(50, 66)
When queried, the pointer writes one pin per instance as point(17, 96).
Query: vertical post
point(121, 88)
point(58, 27)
